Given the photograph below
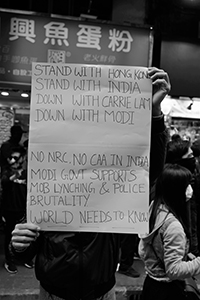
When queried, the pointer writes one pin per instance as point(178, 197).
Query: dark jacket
point(74, 265)
point(13, 177)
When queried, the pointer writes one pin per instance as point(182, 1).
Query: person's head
point(17, 158)
point(196, 147)
point(171, 189)
point(16, 133)
point(180, 152)
point(176, 137)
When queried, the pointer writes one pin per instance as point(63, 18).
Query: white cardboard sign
point(89, 144)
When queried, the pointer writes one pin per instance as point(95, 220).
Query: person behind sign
point(164, 249)
point(74, 265)
point(180, 152)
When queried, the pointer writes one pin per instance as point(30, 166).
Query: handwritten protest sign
point(89, 148)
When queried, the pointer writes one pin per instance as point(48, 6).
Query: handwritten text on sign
point(89, 148)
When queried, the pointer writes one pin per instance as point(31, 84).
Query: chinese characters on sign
point(22, 28)
point(55, 31)
point(88, 36)
point(120, 41)
point(26, 39)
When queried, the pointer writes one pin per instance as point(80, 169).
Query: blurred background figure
point(180, 152)
point(176, 137)
point(13, 157)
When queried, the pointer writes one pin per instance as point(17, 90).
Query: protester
point(164, 249)
point(74, 265)
point(14, 189)
point(180, 152)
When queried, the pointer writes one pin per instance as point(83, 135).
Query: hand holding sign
point(161, 87)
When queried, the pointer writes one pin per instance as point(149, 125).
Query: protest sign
point(89, 148)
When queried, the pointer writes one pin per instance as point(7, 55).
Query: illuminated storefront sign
point(30, 38)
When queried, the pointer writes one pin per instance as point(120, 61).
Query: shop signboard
point(6, 121)
point(27, 38)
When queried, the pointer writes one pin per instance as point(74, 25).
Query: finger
point(155, 73)
point(29, 226)
point(162, 84)
point(154, 70)
point(18, 246)
point(160, 75)
point(23, 239)
point(25, 232)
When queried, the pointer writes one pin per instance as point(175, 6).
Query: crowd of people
point(74, 265)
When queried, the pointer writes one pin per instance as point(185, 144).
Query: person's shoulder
point(5, 145)
point(171, 221)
